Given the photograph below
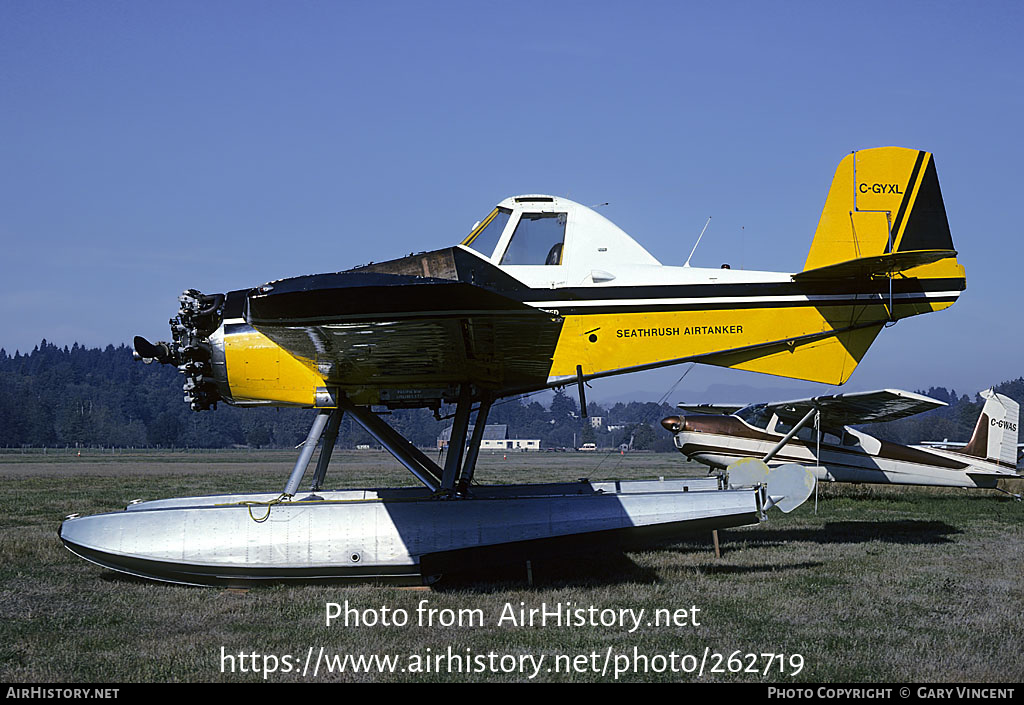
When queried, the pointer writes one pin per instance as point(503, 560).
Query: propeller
point(147, 351)
point(788, 486)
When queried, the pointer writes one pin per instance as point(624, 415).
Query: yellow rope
point(269, 505)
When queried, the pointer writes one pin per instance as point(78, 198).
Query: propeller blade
point(788, 485)
point(161, 352)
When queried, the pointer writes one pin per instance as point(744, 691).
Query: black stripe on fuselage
point(570, 310)
point(471, 269)
point(836, 287)
point(591, 309)
point(611, 307)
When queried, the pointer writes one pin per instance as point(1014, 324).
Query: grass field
point(880, 585)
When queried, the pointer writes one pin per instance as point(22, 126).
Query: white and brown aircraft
point(542, 293)
point(816, 432)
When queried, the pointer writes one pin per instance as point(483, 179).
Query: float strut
point(307, 452)
point(404, 451)
point(330, 438)
point(398, 441)
point(457, 441)
point(469, 464)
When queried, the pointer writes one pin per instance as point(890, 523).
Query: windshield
point(537, 240)
point(756, 415)
point(485, 236)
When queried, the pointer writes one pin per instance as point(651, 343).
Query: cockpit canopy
point(546, 231)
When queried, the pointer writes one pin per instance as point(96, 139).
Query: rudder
point(995, 434)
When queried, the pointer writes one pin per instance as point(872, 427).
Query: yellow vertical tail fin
point(883, 201)
point(882, 251)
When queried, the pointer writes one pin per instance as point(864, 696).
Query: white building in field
point(495, 438)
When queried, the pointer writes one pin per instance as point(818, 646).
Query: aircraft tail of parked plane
point(995, 434)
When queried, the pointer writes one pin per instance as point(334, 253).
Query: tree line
point(88, 397)
point(91, 397)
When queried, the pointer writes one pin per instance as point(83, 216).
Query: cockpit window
point(756, 415)
point(537, 240)
point(831, 437)
point(485, 236)
point(806, 433)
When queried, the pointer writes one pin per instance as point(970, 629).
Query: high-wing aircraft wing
point(857, 407)
point(395, 330)
point(944, 445)
point(710, 409)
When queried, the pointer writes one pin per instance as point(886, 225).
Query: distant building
point(596, 421)
point(495, 438)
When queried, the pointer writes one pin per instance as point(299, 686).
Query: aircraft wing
point(371, 329)
point(710, 409)
point(943, 445)
point(857, 407)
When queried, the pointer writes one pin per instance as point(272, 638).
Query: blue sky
point(150, 147)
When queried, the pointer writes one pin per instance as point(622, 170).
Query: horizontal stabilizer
point(887, 264)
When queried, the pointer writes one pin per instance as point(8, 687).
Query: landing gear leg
point(469, 464)
point(452, 481)
point(457, 441)
point(425, 470)
point(308, 447)
point(330, 438)
point(1015, 496)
